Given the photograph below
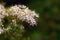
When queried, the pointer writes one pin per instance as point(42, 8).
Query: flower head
point(24, 13)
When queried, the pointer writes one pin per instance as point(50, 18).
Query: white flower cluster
point(24, 13)
point(2, 12)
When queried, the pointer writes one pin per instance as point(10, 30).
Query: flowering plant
point(13, 18)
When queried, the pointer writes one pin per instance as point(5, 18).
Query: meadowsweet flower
point(21, 6)
point(24, 13)
point(2, 12)
point(30, 20)
point(13, 10)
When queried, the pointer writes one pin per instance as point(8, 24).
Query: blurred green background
point(48, 27)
